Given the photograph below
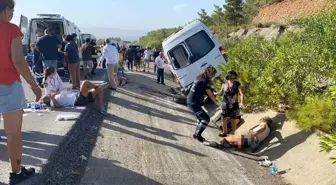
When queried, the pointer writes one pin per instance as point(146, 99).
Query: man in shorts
point(147, 58)
point(88, 93)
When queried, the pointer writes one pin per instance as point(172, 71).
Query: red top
point(8, 73)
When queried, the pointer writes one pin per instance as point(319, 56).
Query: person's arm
point(259, 131)
point(211, 96)
point(22, 67)
point(56, 104)
point(221, 90)
point(241, 98)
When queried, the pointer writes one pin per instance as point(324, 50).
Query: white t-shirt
point(159, 62)
point(147, 54)
point(54, 85)
point(65, 99)
point(262, 136)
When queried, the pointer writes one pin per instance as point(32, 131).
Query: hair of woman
point(6, 4)
point(47, 72)
point(209, 72)
point(268, 121)
point(231, 74)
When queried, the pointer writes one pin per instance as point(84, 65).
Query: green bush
point(328, 144)
point(315, 113)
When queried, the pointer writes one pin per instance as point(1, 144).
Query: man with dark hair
point(48, 47)
point(87, 49)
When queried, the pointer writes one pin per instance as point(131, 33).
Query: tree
point(218, 16)
point(205, 18)
point(234, 12)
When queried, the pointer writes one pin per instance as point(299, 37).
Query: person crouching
point(196, 96)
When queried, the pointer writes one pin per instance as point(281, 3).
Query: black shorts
point(83, 100)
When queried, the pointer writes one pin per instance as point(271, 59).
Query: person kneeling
point(88, 93)
point(251, 139)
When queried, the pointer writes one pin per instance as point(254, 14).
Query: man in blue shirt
point(48, 46)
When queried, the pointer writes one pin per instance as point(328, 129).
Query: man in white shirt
point(160, 64)
point(147, 58)
point(88, 93)
point(111, 54)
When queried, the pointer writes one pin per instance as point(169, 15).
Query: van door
point(181, 60)
point(24, 30)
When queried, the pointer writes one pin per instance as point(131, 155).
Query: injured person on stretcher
point(250, 139)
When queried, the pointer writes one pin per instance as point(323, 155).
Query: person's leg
point(162, 76)
point(111, 76)
point(95, 64)
point(115, 71)
point(158, 76)
point(90, 66)
point(129, 64)
point(86, 86)
point(72, 68)
point(234, 123)
point(203, 118)
point(38, 71)
point(13, 125)
point(86, 68)
point(78, 74)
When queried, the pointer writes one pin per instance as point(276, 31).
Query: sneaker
point(199, 138)
point(112, 89)
point(103, 112)
point(222, 135)
point(24, 175)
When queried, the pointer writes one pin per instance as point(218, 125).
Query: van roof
point(185, 29)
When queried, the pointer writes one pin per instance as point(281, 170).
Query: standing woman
point(230, 106)
point(71, 52)
point(12, 96)
point(195, 98)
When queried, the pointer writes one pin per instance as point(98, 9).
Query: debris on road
point(65, 117)
point(83, 158)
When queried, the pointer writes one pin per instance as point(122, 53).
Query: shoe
point(222, 135)
point(199, 138)
point(102, 111)
point(24, 175)
point(163, 84)
point(112, 89)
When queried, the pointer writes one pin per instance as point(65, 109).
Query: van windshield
point(199, 45)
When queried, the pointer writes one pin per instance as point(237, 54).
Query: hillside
point(284, 11)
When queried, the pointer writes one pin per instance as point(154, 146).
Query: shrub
point(315, 113)
point(328, 144)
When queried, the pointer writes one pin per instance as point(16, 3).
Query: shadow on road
point(154, 112)
point(113, 174)
point(121, 121)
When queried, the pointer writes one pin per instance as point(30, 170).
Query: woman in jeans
point(12, 96)
point(71, 52)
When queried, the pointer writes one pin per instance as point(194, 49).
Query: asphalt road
point(145, 140)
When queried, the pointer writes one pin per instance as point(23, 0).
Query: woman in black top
point(230, 106)
point(196, 96)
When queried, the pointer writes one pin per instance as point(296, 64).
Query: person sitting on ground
point(52, 82)
point(121, 75)
point(250, 139)
point(88, 93)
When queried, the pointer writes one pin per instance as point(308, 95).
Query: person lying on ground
point(88, 93)
point(121, 76)
point(52, 82)
point(196, 96)
point(250, 139)
point(230, 105)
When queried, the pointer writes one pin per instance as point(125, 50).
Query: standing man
point(48, 47)
point(137, 59)
point(38, 66)
point(147, 59)
point(156, 53)
point(111, 54)
point(94, 57)
point(130, 57)
point(160, 64)
point(87, 49)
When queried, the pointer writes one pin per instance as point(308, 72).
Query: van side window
point(200, 45)
point(179, 57)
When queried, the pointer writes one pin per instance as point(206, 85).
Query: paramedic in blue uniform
point(195, 98)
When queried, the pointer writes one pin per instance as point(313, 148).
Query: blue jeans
point(12, 97)
point(160, 75)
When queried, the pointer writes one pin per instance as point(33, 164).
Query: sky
point(144, 15)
